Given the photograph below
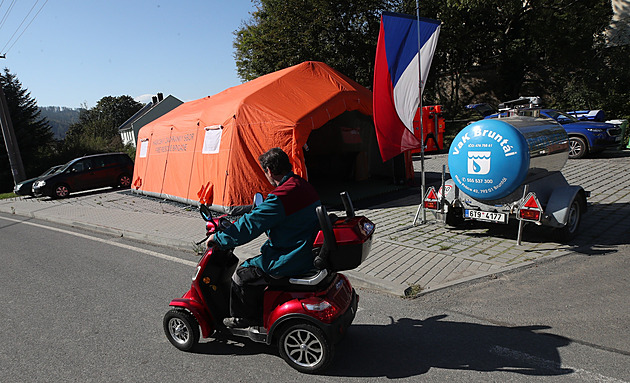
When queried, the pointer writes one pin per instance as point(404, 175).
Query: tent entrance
point(343, 155)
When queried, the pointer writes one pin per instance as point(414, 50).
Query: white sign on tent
point(144, 147)
point(212, 139)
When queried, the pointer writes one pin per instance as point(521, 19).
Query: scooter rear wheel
point(305, 348)
point(181, 329)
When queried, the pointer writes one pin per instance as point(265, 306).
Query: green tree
point(32, 132)
point(494, 50)
point(488, 50)
point(283, 33)
point(614, 82)
point(466, 49)
point(97, 128)
point(562, 46)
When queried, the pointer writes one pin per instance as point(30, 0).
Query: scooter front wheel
point(181, 329)
point(305, 347)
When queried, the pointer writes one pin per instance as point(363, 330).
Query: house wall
point(128, 137)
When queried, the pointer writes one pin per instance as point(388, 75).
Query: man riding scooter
point(288, 217)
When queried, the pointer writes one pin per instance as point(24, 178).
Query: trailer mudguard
point(556, 211)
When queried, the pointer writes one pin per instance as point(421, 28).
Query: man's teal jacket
point(288, 217)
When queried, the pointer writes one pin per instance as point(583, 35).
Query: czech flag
point(396, 79)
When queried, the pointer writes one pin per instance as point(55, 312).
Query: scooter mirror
point(258, 199)
point(205, 212)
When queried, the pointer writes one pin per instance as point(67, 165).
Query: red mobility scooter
point(304, 315)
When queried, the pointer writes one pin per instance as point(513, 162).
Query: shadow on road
point(222, 345)
point(603, 227)
point(409, 347)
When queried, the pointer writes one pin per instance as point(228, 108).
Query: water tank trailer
point(509, 168)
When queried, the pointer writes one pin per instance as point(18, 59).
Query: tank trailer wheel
point(455, 216)
point(567, 232)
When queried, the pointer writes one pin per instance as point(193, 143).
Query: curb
point(359, 280)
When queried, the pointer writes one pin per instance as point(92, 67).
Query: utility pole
point(13, 151)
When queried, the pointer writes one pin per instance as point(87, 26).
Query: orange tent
point(206, 151)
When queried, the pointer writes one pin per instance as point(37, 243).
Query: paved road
point(80, 306)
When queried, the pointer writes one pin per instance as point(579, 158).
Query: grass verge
point(7, 195)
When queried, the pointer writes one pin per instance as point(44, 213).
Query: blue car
point(585, 137)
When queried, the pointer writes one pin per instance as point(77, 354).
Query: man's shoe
point(238, 322)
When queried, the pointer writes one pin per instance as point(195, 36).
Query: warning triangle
point(431, 196)
point(531, 203)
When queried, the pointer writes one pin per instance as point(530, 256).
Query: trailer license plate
point(486, 216)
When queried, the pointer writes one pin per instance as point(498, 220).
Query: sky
point(73, 53)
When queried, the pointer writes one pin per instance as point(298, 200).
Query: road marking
point(551, 365)
point(109, 242)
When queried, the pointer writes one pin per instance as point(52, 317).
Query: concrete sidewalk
point(425, 257)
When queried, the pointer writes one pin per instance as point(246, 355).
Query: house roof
point(128, 125)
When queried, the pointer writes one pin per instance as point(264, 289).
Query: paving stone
point(431, 254)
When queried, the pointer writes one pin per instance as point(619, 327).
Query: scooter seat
point(307, 282)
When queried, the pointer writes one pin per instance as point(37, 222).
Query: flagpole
point(422, 178)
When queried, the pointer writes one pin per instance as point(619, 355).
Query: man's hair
point(276, 160)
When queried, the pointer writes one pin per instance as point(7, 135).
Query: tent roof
point(307, 94)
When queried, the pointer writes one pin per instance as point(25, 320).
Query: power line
point(6, 14)
point(28, 25)
point(1, 4)
point(20, 26)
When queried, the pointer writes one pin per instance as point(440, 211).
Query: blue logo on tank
point(489, 159)
point(479, 162)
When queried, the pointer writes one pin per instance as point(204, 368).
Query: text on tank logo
point(478, 132)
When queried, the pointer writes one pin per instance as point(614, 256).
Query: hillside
point(60, 118)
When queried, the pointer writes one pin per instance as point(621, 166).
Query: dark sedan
point(26, 187)
point(85, 173)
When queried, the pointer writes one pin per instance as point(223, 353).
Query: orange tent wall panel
point(206, 151)
point(180, 149)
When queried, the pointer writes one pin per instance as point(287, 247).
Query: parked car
point(584, 136)
point(85, 173)
point(26, 187)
